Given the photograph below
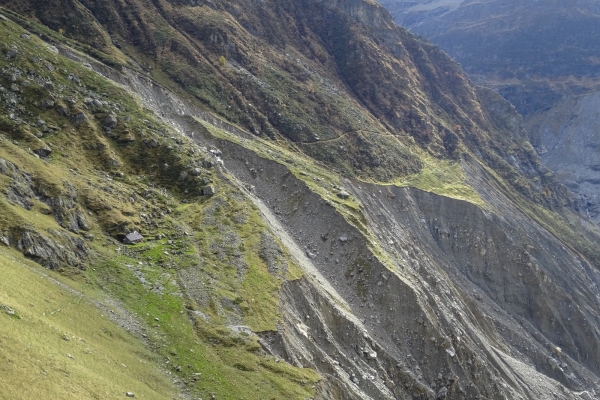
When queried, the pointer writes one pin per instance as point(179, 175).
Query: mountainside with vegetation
point(543, 57)
point(330, 210)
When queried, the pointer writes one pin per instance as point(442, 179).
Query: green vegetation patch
point(59, 345)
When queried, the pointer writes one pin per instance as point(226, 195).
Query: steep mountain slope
point(339, 82)
point(425, 254)
point(543, 57)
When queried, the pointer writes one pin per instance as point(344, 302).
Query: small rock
point(97, 103)
point(70, 356)
point(62, 111)
point(49, 86)
point(12, 53)
point(15, 88)
point(343, 239)
point(3, 18)
point(66, 337)
point(111, 121)
point(557, 350)
point(152, 143)
point(43, 151)
point(195, 172)
point(25, 36)
point(129, 394)
point(183, 175)
point(207, 191)
point(47, 103)
point(8, 310)
point(343, 195)
point(441, 395)
point(79, 118)
point(125, 139)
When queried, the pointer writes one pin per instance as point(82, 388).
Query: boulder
point(111, 121)
point(207, 191)
point(442, 393)
point(43, 152)
point(151, 143)
point(125, 139)
point(12, 53)
point(342, 194)
point(196, 172)
point(47, 104)
point(79, 118)
point(62, 111)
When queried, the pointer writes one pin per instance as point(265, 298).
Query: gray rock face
point(569, 143)
point(22, 191)
point(53, 250)
point(422, 327)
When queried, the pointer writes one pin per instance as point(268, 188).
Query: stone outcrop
point(53, 249)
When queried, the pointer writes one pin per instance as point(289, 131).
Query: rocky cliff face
point(542, 57)
point(373, 230)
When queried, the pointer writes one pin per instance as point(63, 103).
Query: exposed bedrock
point(469, 303)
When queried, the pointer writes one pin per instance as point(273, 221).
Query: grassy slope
point(34, 355)
point(206, 356)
